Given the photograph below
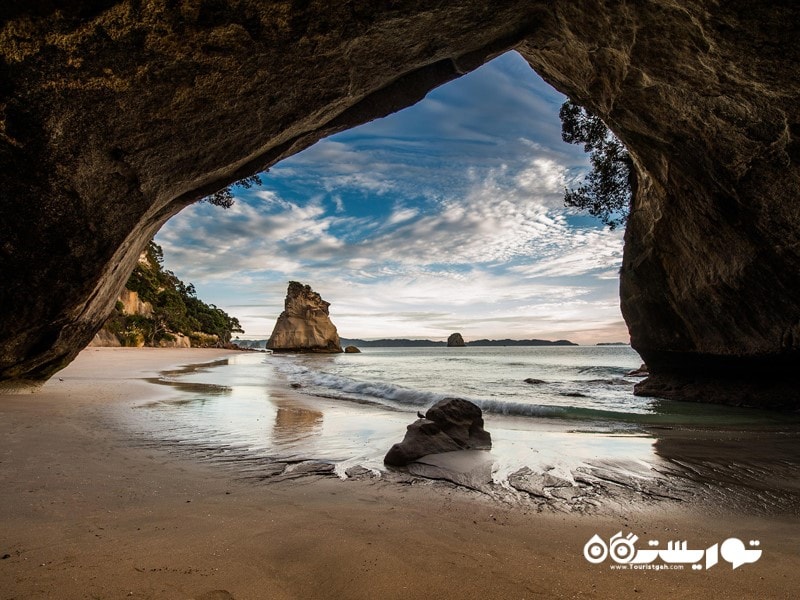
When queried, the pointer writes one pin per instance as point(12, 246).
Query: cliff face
point(712, 263)
point(304, 325)
point(128, 304)
point(133, 305)
point(171, 316)
point(117, 114)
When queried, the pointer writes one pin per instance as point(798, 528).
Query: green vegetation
point(176, 309)
point(607, 190)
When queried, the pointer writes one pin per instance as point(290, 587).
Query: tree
point(224, 197)
point(608, 188)
point(175, 307)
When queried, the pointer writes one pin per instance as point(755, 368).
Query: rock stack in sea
point(450, 424)
point(304, 325)
point(455, 341)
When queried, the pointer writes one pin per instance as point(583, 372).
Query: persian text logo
point(622, 551)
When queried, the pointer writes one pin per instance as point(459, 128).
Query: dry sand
point(88, 514)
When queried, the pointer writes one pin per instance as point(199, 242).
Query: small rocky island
point(304, 325)
point(455, 341)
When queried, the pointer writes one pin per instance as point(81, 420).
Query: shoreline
point(88, 513)
point(548, 463)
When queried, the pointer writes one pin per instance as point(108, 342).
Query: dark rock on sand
point(533, 381)
point(461, 420)
point(450, 424)
point(361, 472)
point(422, 437)
point(352, 350)
point(455, 341)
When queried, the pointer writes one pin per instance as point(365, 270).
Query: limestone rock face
point(116, 115)
point(133, 305)
point(304, 325)
point(179, 341)
point(450, 424)
point(104, 339)
point(455, 340)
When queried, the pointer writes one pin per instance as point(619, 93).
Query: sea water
point(579, 383)
point(349, 409)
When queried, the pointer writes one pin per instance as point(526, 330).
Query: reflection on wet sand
point(248, 418)
point(206, 389)
point(294, 422)
point(172, 379)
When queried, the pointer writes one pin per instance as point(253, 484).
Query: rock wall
point(116, 114)
point(700, 94)
point(179, 341)
point(104, 339)
point(133, 305)
point(305, 324)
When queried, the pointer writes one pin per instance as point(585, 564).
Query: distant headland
point(409, 343)
point(405, 343)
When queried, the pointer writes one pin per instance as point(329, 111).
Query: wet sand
point(90, 512)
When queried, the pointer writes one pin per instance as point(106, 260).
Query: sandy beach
point(87, 512)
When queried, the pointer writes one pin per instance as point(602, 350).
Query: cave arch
point(116, 114)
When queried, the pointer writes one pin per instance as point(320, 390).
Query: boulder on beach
point(450, 424)
point(304, 324)
point(352, 350)
point(455, 341)
point(532, 381)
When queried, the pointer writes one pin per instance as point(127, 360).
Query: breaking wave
point(395, 396)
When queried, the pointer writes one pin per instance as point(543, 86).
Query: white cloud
point(402, 214)
point(579, 253)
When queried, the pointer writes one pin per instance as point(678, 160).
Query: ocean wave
point(384, 391)
point(610, 381)
point(378, 390)
point(395, 396)
point(607, 371)
point(518, 409)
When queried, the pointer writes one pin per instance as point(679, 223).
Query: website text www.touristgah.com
point(672, 556)
point(646, 567)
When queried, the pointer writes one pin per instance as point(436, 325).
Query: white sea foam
point(488, 378)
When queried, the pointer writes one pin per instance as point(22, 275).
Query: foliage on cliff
point(224, 197)
point(176, 309)
point(608, 188)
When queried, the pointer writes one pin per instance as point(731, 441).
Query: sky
point(447, 216)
